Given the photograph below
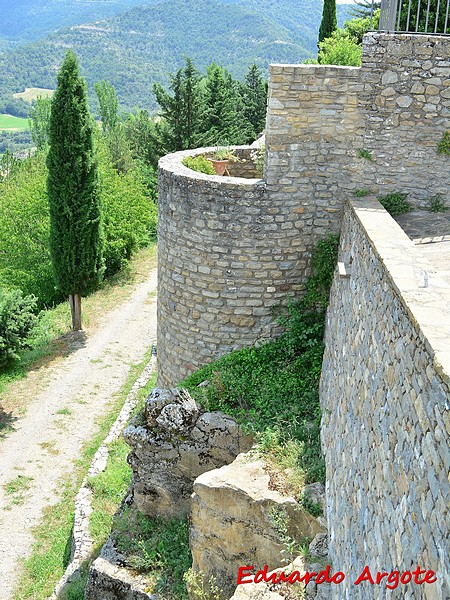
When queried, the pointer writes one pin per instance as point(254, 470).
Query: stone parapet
point(385, 397)
point(227, 253)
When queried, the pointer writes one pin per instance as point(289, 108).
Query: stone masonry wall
point(227, 254)
point(385, 394)
point(230, 248)
point(406, 106)
point(313, 131)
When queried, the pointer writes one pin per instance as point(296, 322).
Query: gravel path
point(63, 416)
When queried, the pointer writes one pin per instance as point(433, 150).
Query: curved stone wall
point(227, 254)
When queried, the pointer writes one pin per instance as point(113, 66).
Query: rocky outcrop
point(175, 444)
point(238, 520)
point(287, 591)
point(109, 579)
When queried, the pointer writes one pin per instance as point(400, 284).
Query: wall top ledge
point(405, 265)
point(172, 164)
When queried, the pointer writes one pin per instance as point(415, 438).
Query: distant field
point(9, 123)
point(31, 94)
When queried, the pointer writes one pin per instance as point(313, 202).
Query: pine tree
point(76, 241)
point(329, 23)
point(254, 95)
point(181, 110)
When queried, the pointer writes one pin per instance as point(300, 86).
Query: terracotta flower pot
point(220, 166)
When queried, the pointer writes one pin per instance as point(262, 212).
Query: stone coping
point(173, 163)
point(407, 268)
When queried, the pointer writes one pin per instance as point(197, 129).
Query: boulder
point(236, 520)
point(176, 443)
point(109, 579)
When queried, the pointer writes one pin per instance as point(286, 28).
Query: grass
point(10, 123)
point(51, 548)
point(17, 487)
point(157, 547)
point(64, 411)
point(272, 389)
point(52, 339)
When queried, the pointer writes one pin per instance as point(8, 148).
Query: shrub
point(436, 204)
point(199, 164)
point(444, 144)
point(395, 203)
point(17, 318)
point(362, 153)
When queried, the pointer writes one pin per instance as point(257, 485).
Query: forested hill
point(28, 20)
point(144, 44)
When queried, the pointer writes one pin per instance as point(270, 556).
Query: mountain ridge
point(144, 44)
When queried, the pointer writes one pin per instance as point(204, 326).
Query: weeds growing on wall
point(272, 389)
point(436, 204)
point(395, 203)
point(443, 146)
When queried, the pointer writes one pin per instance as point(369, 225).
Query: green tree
point(181, 111)
point(223, 121)
point(364, 8)
point(39, 121)
point(254, 95)
point(76, 240)
point(109, 105)
point(328, 23)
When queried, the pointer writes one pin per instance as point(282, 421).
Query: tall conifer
point(329, 22)
point(76, 242)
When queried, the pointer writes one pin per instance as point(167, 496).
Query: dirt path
point(63, 416)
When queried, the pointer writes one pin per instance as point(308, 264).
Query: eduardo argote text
point(389, 579)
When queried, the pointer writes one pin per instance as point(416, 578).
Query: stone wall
point(385, 396)
point(313, 131)
point(231, 248)
point(227, 254)
point(406, 106)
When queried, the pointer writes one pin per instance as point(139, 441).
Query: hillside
point(143, 45)
point(28, 20)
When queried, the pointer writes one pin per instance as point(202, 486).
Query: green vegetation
point(200, 164)
point(361, 193)
point(436, 204)
point(444, 144)
point(362, 153)
point(395, 203)
point(157, 547)
point(8, 122)
point(17, 319)
point(328, 23)
point(344, 46)
point(51, 548)
point(272, 389)
point(235, 34)
point(210, 110)
point(76, 234)
point(16, 488)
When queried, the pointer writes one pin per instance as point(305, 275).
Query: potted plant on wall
point(221, 158)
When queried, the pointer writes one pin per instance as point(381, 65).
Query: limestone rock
point(176, 444)
point(319, 545)
point(109, 580)
point(236, 520)
point(286, 591)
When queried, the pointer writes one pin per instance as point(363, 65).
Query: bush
point(17, 318)
point(200, 164)
point(395, 203)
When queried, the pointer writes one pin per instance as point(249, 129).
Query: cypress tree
point(329, 22)
point(76, 241)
